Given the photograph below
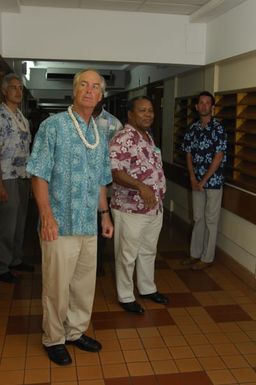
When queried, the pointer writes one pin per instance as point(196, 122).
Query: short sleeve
point(41, 161)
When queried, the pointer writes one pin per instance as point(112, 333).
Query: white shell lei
point(80, 133)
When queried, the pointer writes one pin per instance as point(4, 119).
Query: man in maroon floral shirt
point(137, 208)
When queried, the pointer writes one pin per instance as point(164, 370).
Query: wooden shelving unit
point(237, 111)
point(184, 116)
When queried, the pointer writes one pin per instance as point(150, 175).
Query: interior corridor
point(205, 336)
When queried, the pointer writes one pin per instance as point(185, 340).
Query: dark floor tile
point(18, 325)
point(22, 290)
point(197, 280)
point(182, 300)
point(192, 378)
point(144, 380)
point(160, 264)
point(119, 381)
point(196, 378)
point(227, 313)
point(160, 317)
point(35, 325)
point(174, 254)
point(24, 324)
point(170, 379)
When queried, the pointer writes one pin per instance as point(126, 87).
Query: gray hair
point(7, 80)
point(77, 78)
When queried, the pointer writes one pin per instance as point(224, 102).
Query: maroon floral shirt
point(140, 159)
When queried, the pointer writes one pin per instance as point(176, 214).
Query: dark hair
point(206, 93)
point(131, 103)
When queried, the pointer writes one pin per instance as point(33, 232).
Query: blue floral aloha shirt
point(74, 172)
point(204, 143)
point(14, 145)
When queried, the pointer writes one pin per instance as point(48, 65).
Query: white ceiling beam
point(213, 9)
point(10, 6)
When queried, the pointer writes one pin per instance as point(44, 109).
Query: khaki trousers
point(135, 242)
point(69, 274)
point(206, 213)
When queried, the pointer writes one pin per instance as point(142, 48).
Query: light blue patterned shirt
point(108, 123)
point(74, 172)
point(14, 145)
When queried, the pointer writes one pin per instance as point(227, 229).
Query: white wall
point(73, 34)
point(232, 34)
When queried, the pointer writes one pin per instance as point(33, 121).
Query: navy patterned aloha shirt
point(204, 143)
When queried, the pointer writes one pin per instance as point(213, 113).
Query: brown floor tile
point(164, 366)
point(131, 344)
point(183, 300)
point(148, 332)
point(120, 320)
point(135, 355)
point(63, 374)
point(139, 368)
point(115, 357)
point(196, 339)
point(226, 349)
point(246, 347)
point(161, 264)
point(227, 313)
point(221, 377)
point(169, 330)
point(153, 342)
point(146, 380)
point(117, 381)
point(155, 354)
point(188, 365)
point(86, 359)
point(172, 341)
point(35, 376)
point(236, 361)
point(197, 280)
point(211, 363)
point(218, 338)
point(37, 362)
point(115, 371)
point(181, 352)
point(244, 374)
point(160, 317)
point(10, 363)
point(204, 351)
point(127, 333)
point(92, 372)
point(12, 377)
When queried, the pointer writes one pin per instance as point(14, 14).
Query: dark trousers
point(13, 215)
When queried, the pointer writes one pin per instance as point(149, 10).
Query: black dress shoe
point(86, 343)
point(22, 267)
point(156, 297)
point(58, 354)
point(133, 307)
point(8, 277)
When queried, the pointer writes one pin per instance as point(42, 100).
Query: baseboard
point(239, 270)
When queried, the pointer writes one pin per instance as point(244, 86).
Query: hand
point(201, 185)
point(49, 228)
point(147, 194)
point(107, 226)
point(194, 184)
point(3, 194)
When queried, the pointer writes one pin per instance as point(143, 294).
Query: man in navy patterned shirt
point(205, 144)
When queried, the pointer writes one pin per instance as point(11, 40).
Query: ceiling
point(50, 82)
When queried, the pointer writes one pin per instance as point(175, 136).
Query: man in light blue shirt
point(70, 168)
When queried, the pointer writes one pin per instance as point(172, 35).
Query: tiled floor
point(206, 336)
